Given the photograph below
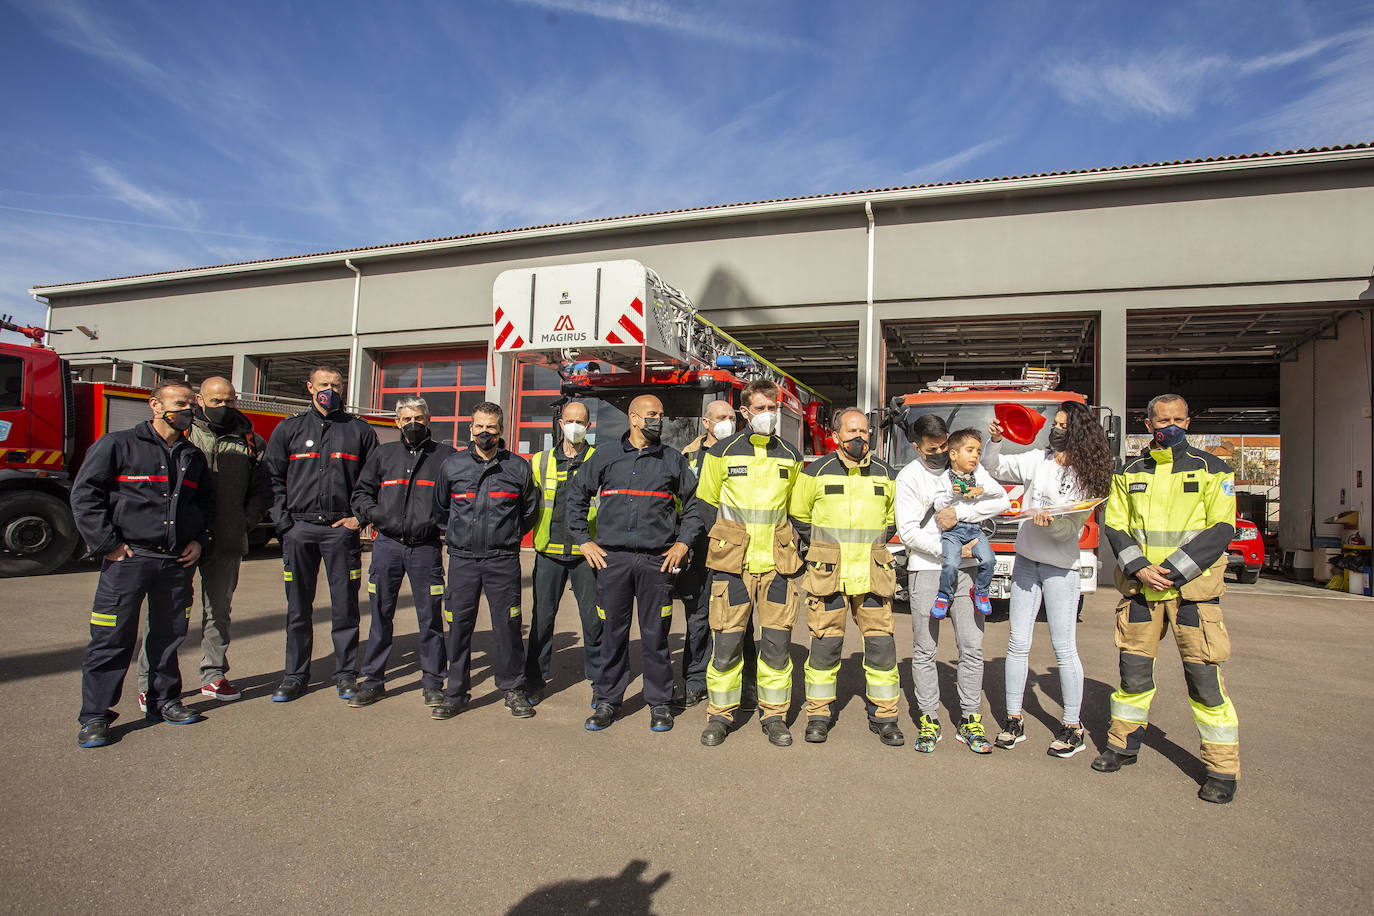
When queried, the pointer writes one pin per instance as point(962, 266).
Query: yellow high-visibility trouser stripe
point(448, 617)
point(723, 687)
point(1132, 707)
point(775, 687)
point(436, 589)
point(882, 685)
point(355, 574)
point(515, 611)
point(601, 612)
point(820, 683)
point(667, 611)
point(104, 620)
point(1216, 724)
point(287, 575)
point(372, 588)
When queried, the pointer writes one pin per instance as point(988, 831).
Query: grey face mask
point(937, 462)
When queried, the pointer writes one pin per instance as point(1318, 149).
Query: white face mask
point(765, 424)
point(574, 432)
point(724, 429)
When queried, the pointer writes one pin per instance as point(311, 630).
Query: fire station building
point(1244, 283)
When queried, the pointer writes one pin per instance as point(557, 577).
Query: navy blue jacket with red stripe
point(133, 489)
point(486, 507)
point(314, 463)
point(396, 491)
point(645, 494)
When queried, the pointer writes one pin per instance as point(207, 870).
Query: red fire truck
point(969, 404)
point(47, 422)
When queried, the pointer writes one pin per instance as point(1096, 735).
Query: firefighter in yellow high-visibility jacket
point(842, 508)
point(742, 497)
point(1170, 516)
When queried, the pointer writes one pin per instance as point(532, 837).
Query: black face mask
point(485, 441)
point(415, 432)
point(329, 400)
point(855, 447)
point(1169, 436)
point(216, 416)
point(653, 429)
point(179, 420)
point(1059, 439)
point(937, 462)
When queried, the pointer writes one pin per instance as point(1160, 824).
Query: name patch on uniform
point(1190, 486)
point(1139, 487)
point(782, 472)
point(879, 490)
point(738, 470)
point(834, 488)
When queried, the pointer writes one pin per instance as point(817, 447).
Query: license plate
point(1003, 566)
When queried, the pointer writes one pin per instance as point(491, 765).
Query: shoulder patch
point(1228, 487)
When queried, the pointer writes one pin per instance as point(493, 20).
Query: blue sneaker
point(981, 601)
point(941, 607)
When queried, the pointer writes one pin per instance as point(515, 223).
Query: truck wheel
point(1247, 576)
point(37, 534)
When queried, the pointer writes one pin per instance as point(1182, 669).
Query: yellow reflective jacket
point(1172, 507)
point(843, 512)
point(747, 480)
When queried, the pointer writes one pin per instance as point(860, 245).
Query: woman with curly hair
point(1076, 466)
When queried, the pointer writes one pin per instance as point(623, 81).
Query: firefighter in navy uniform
point(314, 460)
point(558, 556)
point(842, 508)
point(693, 584)
point(641, 543)
point(1170, 517)
point(144, 501)
point(487, 502)
point(395, 494)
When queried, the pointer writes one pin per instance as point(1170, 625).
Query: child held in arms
point(965, 483)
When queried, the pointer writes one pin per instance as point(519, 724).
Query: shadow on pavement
point(627, 893)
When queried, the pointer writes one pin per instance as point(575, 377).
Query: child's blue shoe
point(981, 602)
point(941, 607)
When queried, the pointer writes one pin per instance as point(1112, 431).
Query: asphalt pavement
point(315, 807)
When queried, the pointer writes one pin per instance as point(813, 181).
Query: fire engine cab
point(613, 330)
point(970, 404)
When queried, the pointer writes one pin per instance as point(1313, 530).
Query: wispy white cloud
point(1169, 84)
point(76, 25)
point(950, 165)
point(1337, 108)
point(179, 211)
point(674, 17)
point(191, 230)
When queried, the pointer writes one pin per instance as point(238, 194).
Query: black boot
point(1217, 790)
point(817, 730)
point(777, 733)
point(714, 733)
point(888, 731)
point(1111, 760)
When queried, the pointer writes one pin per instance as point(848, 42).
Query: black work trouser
point(119, 596)
point(392, 562)
point(631, 579)
point(498, 578)
point(693, 588)
point(303, 546)
point(551, 577)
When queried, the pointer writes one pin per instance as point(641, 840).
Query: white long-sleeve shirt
point(917, 489)
point(1047, 483)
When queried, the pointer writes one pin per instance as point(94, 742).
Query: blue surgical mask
point(1169, 436)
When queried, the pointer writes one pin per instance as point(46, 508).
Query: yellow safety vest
point(748, 480)
point(547, 478)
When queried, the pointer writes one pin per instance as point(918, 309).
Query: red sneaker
point(143, 701)
point(220, 690)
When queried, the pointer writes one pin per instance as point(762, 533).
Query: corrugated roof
point(286, 260)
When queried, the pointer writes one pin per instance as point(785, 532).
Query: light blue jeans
point(1030, 581)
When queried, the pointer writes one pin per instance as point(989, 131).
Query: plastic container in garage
point(1302, 564)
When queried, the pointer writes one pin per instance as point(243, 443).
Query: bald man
point(243, 494)
point(642, 533)
point(693, 585)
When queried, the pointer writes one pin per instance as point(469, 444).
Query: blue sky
point(143, 136)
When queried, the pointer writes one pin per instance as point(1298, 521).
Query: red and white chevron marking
point(631, 323)
point(504, 330)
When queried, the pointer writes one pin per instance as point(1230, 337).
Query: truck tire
point(37, 534)
point(1247, 576)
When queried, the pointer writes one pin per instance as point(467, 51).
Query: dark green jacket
point(243, 494)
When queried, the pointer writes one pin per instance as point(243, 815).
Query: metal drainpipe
point(354, 357)
point(47, 319)
point(868, 325)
